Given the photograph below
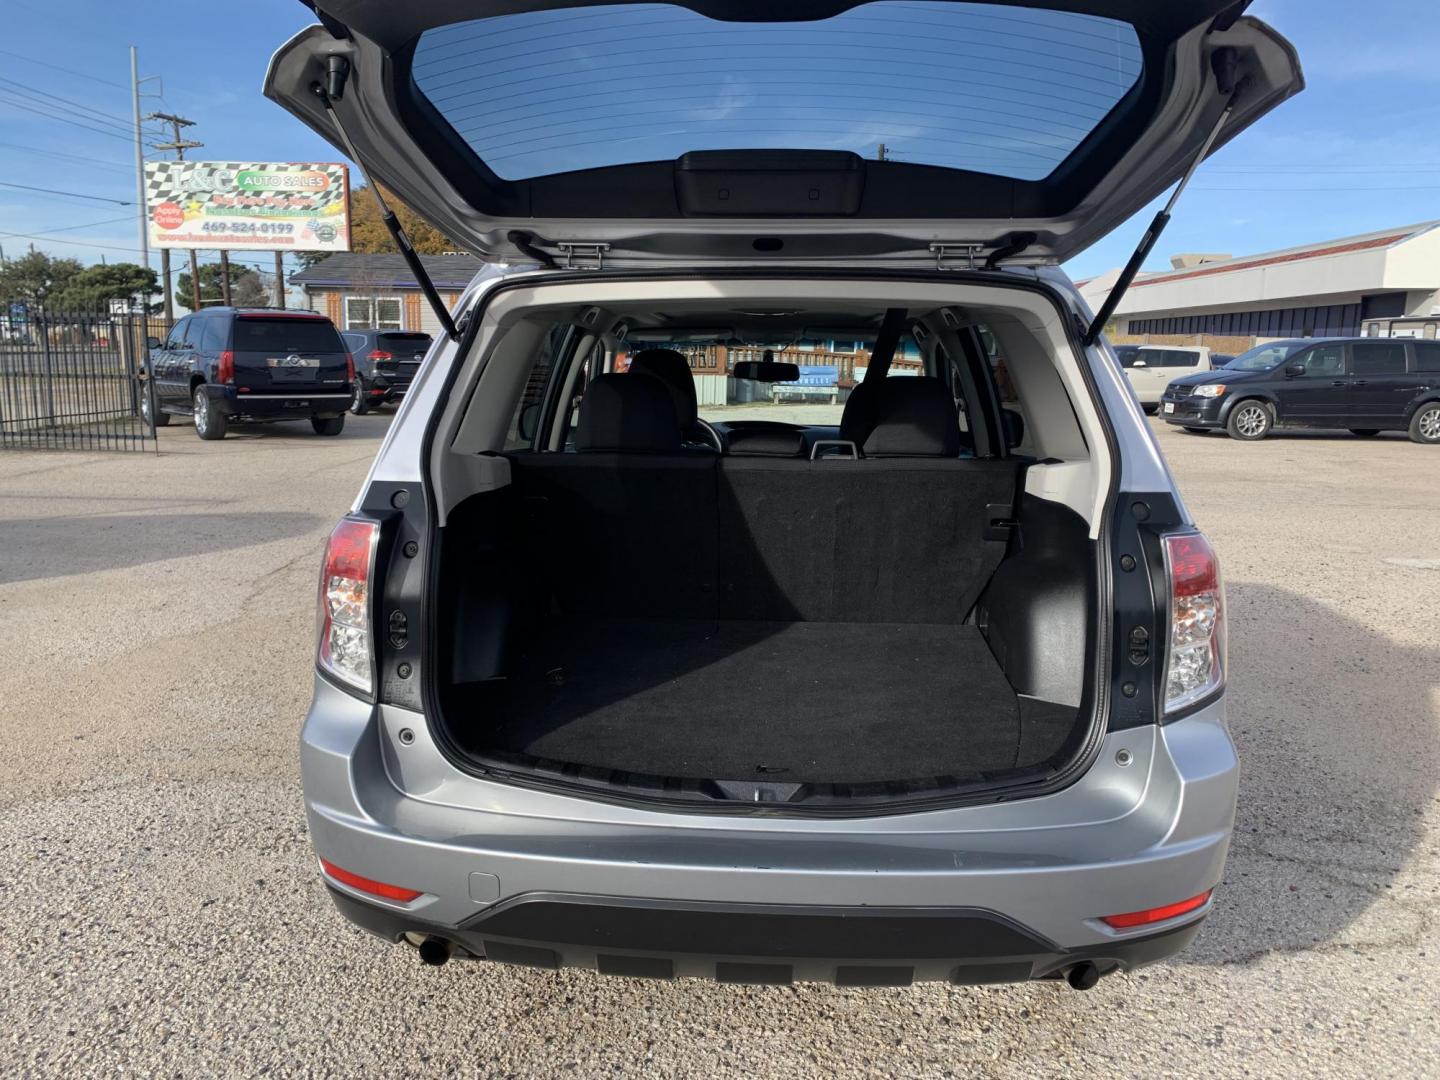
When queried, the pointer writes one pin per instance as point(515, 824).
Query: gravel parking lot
point(162, 914)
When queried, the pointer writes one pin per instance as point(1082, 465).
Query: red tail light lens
point(380, 355)
point(1156, 914)
point(225, 370)
point(349, 367)
point(364, 884)
point(1195, 656)
point(345, 649)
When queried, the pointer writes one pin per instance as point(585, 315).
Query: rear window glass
point(1009, 91)
point(404, 342)
point(1167, 358)
point(1378, 359)
point(1427, 356)
point(286, 335)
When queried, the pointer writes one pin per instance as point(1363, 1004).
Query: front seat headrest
point(858, 418)
point(915, 416)
point(673, 370)
point(620, 412)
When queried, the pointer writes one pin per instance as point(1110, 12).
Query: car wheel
point(359, 400)
point(327, 425)
point(1425, 424)
point(1198, 430)
point(1364, 432)
point(161, 418)
point(209, 423)
point(1249, 421)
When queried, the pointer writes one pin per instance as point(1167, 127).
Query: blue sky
point(1357, 151)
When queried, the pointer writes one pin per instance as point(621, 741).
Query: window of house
point(373, 313)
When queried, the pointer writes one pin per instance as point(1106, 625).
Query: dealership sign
point(265, 206)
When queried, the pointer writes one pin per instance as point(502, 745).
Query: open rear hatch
point(902, 133)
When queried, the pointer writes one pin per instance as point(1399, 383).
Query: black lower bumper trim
point(766, 943)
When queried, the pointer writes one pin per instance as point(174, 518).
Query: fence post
point(49, 375)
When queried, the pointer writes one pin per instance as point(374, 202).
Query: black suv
point(250, 364)
point(385, 362)
point(1366, 385)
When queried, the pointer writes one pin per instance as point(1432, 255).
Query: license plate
point(1169, 406)
point(292, 363)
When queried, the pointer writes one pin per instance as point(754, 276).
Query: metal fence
point(71, 380)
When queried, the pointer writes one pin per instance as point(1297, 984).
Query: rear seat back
point(661, 533)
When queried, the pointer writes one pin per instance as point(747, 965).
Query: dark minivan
point(1365, 385)
point(385, 362)
point(255, 364)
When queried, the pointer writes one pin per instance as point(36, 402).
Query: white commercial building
point(1382, 283)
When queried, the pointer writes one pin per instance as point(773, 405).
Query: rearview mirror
point(152, 342)
point(528, 421)
point(1139, 363)
point(1013, 425)
point(767, 371)
point(1291, 370)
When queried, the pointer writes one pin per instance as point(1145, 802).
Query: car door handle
point(1359, 382)
point(1341, 382)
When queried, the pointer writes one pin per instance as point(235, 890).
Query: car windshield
point(1265, 357)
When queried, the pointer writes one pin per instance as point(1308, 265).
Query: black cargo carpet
point(794, 702)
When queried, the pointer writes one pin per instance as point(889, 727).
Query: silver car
point(770, 576)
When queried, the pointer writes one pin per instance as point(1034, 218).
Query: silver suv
point(771, 576)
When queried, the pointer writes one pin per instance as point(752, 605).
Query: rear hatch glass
point(401, 353)
point(282, 353)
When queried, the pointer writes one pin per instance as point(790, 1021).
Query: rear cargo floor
point(801, 702)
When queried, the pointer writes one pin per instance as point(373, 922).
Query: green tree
point(95, 286)
point(210, 291)
point(369, 235)
point(250, 291)
point(35, 277)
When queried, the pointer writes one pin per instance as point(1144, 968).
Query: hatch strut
point(407, 250)
point(1152, 234)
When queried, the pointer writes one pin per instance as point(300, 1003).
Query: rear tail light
point(226, 368)
point(381, 355)
point(1195, 658)
point(1148, 916)
point(345, 650)
point(365, 884)
point(349, 368)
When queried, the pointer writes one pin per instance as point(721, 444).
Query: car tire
point(1250, 420)
point(1364, 432)
point(1425, 424)
point(1198, 430)
point(359, 399)
point(162, 419)
point(328, 425)
point(210, 423)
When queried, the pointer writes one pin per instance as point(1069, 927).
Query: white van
point(1151, 367)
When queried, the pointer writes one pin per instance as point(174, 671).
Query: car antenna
point(1224, 64)
point(328, 95)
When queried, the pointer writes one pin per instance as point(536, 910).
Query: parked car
point(252, 364)
point(1365, 385)
point(895, 689)
point(1151, 368)
point(1220, 360)
point(385, 362)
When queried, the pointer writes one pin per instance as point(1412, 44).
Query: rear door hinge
point(583, 256)
point(949, 256)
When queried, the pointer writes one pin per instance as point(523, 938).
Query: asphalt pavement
point(160, 912)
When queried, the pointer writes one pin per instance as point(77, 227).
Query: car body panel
point(1196, 52)
point(1152, 368)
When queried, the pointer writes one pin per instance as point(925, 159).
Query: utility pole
point(179, 145)
point(139, 158)
point(881, 155)
point(279, 278)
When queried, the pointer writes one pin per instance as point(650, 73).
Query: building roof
point(352, 269)
point(1322, 249)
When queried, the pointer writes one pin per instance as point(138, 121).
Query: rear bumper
point(755, 943)
point(384, 803)
point(277, 405)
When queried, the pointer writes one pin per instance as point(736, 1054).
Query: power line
point(79, 159)
point(49, 115)
point(70, 194)
point(65, 70)
point(53, 97)
point(69, 228)
point(77, 243)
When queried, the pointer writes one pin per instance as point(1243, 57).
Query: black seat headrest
point(858, 418)
point(619, 412)
point(915, 416)
point(673, 370)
